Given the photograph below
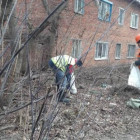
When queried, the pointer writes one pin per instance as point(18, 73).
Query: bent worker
point(62, 67)
point(137, 62)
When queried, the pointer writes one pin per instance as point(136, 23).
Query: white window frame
point(97, 57)
point(132, 18)
point(76, 47)
point(128, 50)
point(116, 57)
point(105, 7)
point(76, 7)
point(121, 16)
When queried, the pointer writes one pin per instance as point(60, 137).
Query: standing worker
point(62, 67)
point(137, 62)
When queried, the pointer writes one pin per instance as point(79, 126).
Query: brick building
point(105, 29)
point(108, 28)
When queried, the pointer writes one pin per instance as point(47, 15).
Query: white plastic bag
point(73, 88)
point(134, 77)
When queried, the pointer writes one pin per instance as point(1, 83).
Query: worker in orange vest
point(137, 62)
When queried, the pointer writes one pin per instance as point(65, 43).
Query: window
point(101, 50)
point(118, 51)
point(121, 16)
point(79, 6)
point(134, 21)
point(105, 10)
point(131, 51)
point(76, 48)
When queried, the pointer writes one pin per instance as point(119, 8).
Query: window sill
point(136, 28)
point(117, 58)
point(120, 24)
point(130, 57)
point(79, 13)
point(103, 20)
point(99, 59)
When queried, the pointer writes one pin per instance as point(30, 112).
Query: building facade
point(104, 32)
point(101, 31)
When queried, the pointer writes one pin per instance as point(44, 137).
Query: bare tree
point(6, 10)
point(46, 6)
point(51, 38)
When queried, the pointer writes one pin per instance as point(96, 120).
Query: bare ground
point(97, 112)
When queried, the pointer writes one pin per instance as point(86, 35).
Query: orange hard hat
point(137, 38)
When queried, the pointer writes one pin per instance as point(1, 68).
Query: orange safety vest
point(138, 56)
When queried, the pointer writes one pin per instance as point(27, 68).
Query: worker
point(63, 66)
point(137, 62)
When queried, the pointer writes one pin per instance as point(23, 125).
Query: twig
point(33, 34)
point(7, 127)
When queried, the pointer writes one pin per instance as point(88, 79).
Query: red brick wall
point(84, 27)
point(35, 10)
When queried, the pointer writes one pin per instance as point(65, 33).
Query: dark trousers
point(62, 79)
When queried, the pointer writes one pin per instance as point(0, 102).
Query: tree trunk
point(6, 8)
point(13, 30)
point(0, 15)
point(51, 38)
point(46, 6)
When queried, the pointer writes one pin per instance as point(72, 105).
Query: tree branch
point(38, 30)
point(46, 6)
